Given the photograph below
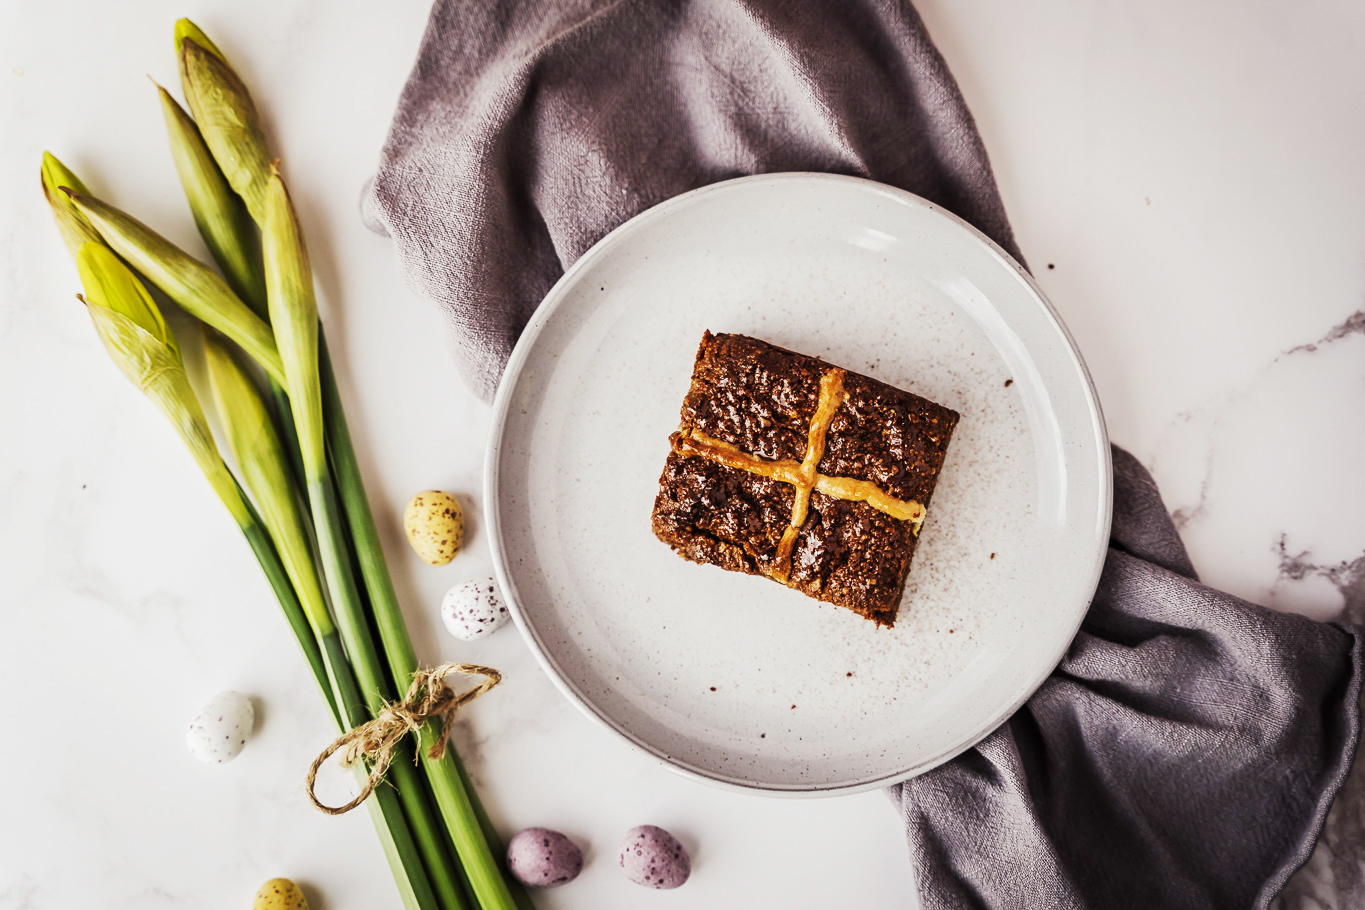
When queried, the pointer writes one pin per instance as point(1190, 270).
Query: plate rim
point(542, 314)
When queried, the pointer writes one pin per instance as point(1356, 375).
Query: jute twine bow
point(428, 697)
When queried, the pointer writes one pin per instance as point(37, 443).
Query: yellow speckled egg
point(434, 523)
point(279, 894)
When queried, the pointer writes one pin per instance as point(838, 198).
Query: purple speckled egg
point(543, 858)
point(652, 857)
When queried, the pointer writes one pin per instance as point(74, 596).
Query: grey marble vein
point(1351, 325)
point(1347, 576)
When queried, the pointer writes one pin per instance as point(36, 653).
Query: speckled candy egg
point(473, 609)
point(652, 857)
point(543, 858)
point(434, 523)
point(221, 728)
point(279, 894)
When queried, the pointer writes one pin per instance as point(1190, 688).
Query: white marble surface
point(1193, 172)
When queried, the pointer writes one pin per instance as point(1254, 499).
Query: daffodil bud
point(261, 463)
point(75, 228)
point(228, 120)
point(219, 213)
point(143, 348)
point(294, 317)
point(195, 287)
point(184, 28)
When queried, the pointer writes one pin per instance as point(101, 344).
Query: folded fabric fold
point(1185, 752)
point(528, 130)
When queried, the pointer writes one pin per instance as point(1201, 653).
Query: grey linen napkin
point(530, 129)
point(1185, 752)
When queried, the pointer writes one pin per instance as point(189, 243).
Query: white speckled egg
point(221, 728)
point(652, 857)
point(473, 609)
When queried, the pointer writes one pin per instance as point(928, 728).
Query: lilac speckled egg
point(652, 857)
point(473, 609)
point(543, 858)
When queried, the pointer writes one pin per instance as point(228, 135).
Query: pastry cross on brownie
point(814, 476)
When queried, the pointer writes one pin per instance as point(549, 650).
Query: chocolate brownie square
point(788, 467)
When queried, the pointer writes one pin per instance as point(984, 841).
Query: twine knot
point(427, 697)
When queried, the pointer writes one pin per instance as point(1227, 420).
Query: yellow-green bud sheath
point(229, 122)
point(144, 350)
point(112, 285)
point(75, 228)
point(218, 212)
point(195, 287)
point(142, 346)
point(184, 28)
point(294, 317)
point(224, 223)
point(261, 462)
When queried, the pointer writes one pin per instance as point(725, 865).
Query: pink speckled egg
point(652, 857)
point(543, 858)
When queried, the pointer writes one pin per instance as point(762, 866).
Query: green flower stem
point(519, 893)
point(259, 539)
point(380, 809)
point(374, 685)
point(333, 674)
point(431, 842)
point(289, 434)
point(386, 808)
point(294, 319)
point(455, 800)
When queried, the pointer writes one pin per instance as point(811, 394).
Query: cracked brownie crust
point(853, 555)
point(892, 438)
point(753, 395)
point(726, 517)
point(788, 467)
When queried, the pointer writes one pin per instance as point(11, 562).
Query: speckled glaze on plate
point(733, 679)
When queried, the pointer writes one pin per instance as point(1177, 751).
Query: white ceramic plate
point(734, 679)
